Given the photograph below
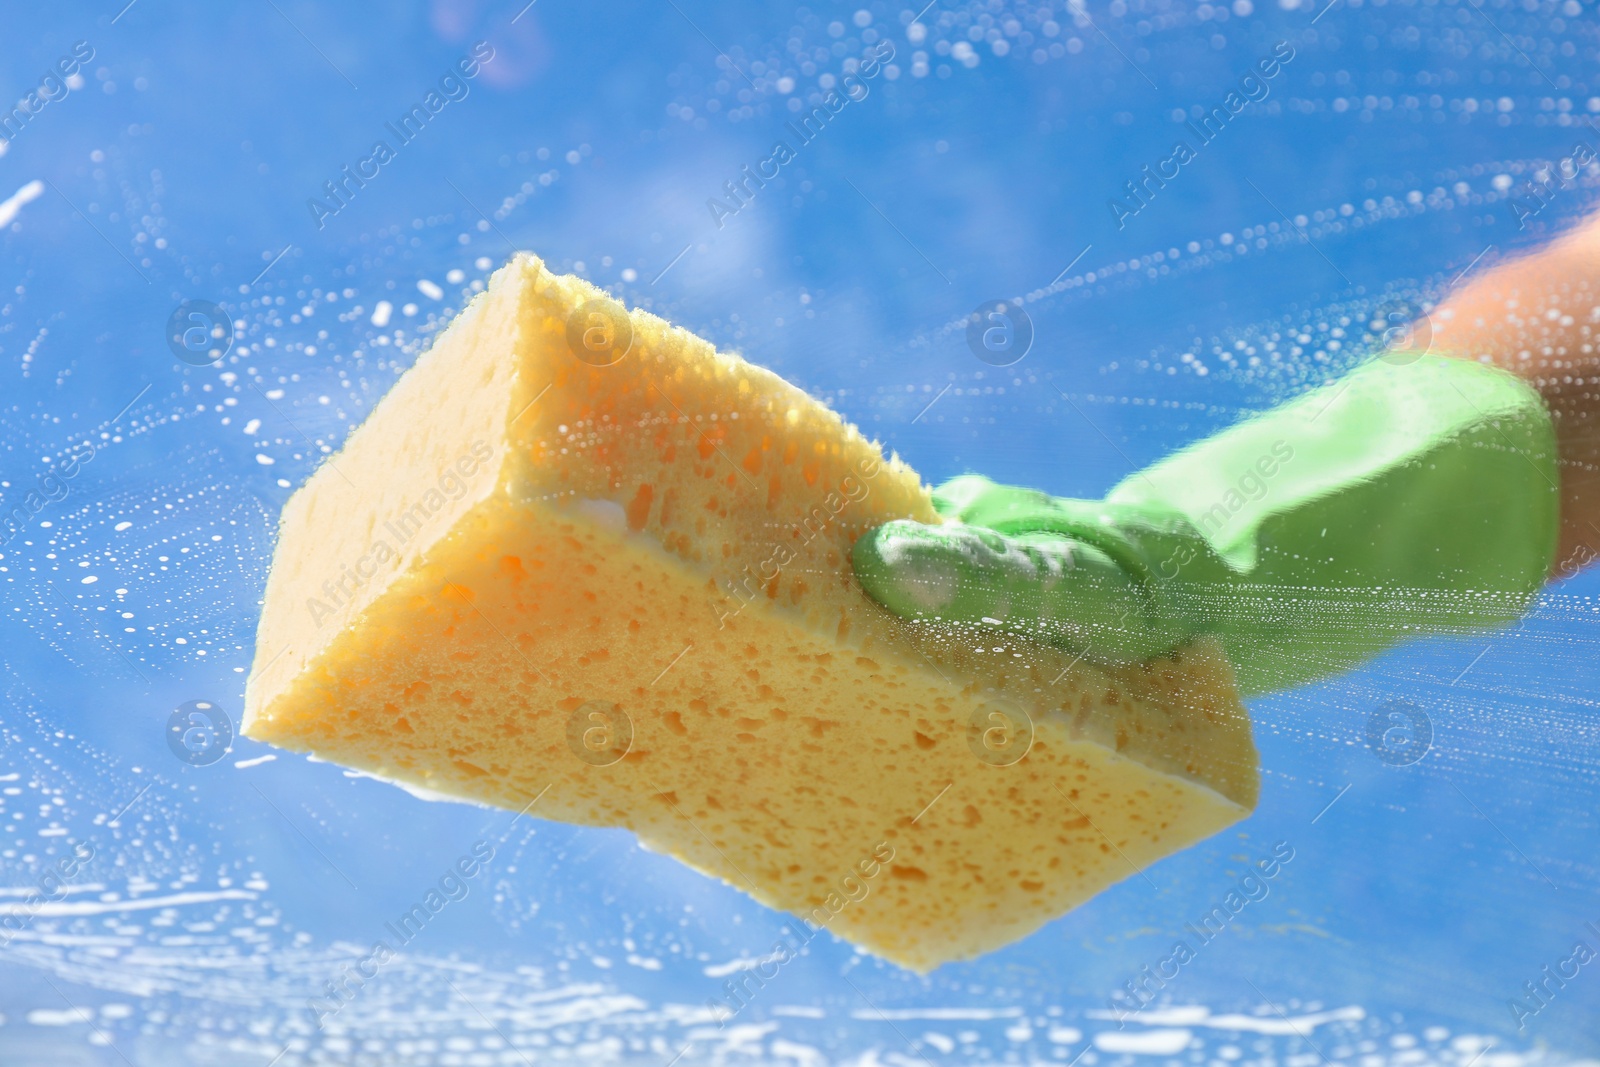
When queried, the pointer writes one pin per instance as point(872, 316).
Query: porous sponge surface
point(642, 613)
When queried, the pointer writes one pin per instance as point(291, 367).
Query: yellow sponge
point(578, 555)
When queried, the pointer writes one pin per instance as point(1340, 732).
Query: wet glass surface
point(176, 893)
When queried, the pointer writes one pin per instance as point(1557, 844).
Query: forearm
point(1435, 495)
point(1538, 316)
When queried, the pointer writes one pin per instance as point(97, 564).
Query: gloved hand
point(1417, 495)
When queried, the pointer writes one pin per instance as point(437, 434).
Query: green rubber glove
point(1416, 495)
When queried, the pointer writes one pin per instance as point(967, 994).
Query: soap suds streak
point(113, 907)
point(11, 205)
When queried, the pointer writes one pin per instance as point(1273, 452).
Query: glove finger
point(1050, 589)
point(1013, 509)
point(952, 498)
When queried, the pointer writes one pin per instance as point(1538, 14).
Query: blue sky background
point(1380, 164)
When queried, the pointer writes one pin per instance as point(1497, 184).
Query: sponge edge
point(622, 585)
